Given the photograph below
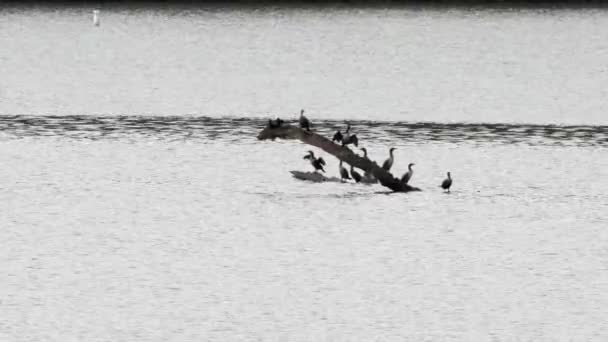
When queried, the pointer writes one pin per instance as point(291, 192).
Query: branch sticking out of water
point(343, 153)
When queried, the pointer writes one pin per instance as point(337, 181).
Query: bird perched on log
point(447, 183)
point(276, 123)
point(389, 162)
point(368, 176)
point(364, 152)
point(408, 175)
point(348, 139)
point(356, 175)
point(343, 172)
point(351, 139)
point(317, 163)
point(337, 136)
point(304, 122)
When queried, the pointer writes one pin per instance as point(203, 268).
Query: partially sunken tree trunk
point(341, 152)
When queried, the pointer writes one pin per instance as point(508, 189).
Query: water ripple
point(235, 129)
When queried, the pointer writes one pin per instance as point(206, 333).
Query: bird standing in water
point(304, 122)
point(389, 162)
point(447, 183)
point(343, 172)
point(317, 163)
point(356, 175)
point(408, 175)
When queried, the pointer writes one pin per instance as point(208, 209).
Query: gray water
point(138, 204)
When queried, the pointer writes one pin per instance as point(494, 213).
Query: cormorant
point(389, 162)
point(447, 183)
point(276, 123)
point(408, 175)
point(317, 163)
point(367, 175)
point(349, 139)
point(343, 172)
point(337, 136)
point(356, 176)
point(304, 122)
point(364, 152)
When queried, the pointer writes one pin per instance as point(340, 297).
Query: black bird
point(304, 122)
point(408, 175)
point(367, 175)
point(447, 183)
point(389, 162)
point(348, 139)
point(351, 139)
point(364, 152)
point(337, 136)
point(276, 123)
point(317, 163)
point(343, 172)
point(356, 175)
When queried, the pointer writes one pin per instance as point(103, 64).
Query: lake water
point(139, 206)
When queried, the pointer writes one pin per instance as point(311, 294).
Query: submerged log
point(320, 178)
point(314, 177)
point(343, 153)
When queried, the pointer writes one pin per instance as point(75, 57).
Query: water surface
point(508, 66)
point(138, 204)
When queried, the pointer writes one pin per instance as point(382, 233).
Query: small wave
point(235, 129)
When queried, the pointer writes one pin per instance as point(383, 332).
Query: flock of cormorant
point(346, 139)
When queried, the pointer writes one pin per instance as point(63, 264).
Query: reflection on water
point(180, 127)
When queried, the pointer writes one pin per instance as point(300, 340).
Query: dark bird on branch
point(337, 136)
point(366, 174)
point(389, 162)
point(317, 163)
point(304, 122)
point(276, 123)
point(348, 139)
point(408, 175)
point(351, 139)
point(364, 152)
point(447, 183)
